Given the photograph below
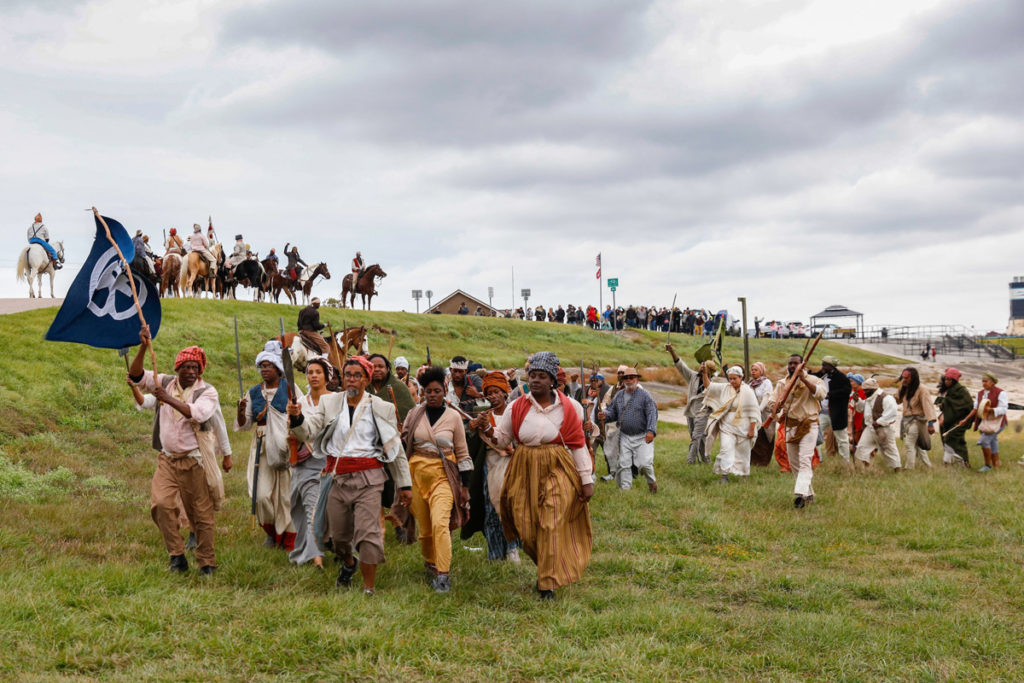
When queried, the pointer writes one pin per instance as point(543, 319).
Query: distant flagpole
point(131, 281)
point(600, 291)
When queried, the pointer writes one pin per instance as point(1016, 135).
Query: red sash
point(350, 465)
point(572, 429)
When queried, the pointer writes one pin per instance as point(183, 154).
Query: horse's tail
point(183, 271)
point(21, 269)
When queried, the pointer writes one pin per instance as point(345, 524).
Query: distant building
point(450, 304)
point(1016, 326)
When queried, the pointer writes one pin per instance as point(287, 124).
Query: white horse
point(34, 262)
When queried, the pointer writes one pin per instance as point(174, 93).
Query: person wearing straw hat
point(955, 404)
point(185, 401)
point(880, 413)
point(989, 417)
point(636, 414)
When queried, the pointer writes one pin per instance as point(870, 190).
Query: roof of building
point(468, 297)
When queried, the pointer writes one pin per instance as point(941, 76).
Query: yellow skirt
point(541, 506)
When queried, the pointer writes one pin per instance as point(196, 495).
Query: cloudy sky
point(797, 153)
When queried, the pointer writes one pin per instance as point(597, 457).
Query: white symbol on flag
point(108, 274)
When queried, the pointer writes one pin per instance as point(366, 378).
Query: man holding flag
point(106, 307)
point(187, 405)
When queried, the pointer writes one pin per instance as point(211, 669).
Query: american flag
point(598, 264)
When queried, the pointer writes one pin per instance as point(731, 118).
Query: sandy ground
point(19, 305)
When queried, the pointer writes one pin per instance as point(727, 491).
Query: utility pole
point(746, 343)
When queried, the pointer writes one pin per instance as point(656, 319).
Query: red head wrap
point(365, 364)
point(497, 379)
point(952, 373)
point(191, 353)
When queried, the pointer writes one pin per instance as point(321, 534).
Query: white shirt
point(363, 443)
point(889, 409)
point(1003, 404)
point(541, 426)
point(39, 230)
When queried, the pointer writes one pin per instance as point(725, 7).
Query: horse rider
point(145, 259)
point(358, 265)
point(272, 258)
point(200, 245)
point(238, 254)
point(174, 243)
point(38, 234)
point(293, 261)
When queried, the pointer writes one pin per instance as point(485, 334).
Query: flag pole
point(131, 281)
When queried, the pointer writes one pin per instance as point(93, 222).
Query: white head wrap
point(271, 352)
point(401, 362)
point(461, 365)
point(734, 370)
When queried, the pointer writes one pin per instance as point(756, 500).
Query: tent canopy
point(837, 311)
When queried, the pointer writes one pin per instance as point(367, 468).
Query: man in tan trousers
point(186, 403)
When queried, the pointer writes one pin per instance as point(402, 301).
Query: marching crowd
point(693, 321)
point(509, 454)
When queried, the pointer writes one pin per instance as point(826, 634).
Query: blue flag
point(98, 309)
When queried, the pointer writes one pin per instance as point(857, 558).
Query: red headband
point(192, 353)
point(364, 363)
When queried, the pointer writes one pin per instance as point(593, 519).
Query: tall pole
point(513, 289)
point(746, 344)
point(600, 291)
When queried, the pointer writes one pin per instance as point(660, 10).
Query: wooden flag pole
point(131, 281)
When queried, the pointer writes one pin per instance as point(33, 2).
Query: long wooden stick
point(791, 383)
point(131, 281)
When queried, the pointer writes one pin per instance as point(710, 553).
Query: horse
point(307, 277)
point(170, 275)
point(250, 273)
point(198, 267)
point(279, 282)
point(366, 286)
point(33, 262)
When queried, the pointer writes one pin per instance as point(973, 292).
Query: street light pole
point(417, 294)
point(429, 294)
point(746, 343)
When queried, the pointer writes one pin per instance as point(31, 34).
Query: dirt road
point(19, 305)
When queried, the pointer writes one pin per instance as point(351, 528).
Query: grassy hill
point(912, 576)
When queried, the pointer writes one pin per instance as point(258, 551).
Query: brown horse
point(279, 283)
point(199, 268)
point(366, 286)
point(171, 274)
point(314, 271)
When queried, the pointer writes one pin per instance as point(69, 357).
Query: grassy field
point(916, 576)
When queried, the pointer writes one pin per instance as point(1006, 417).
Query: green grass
point(916, 576)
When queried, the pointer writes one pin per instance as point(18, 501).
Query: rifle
point(289, 378)
point(255, 479)
point(428, 355)
point(791, 383)
point(467, 416)
point(238, 361)
point(395, 402)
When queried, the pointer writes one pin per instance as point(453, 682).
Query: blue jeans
point(45, 245)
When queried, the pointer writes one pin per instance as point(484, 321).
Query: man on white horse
point(38, 234)
point(144, 261)
point(238, 254)
point(201, 245)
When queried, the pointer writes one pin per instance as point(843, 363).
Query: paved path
point(19, 305)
